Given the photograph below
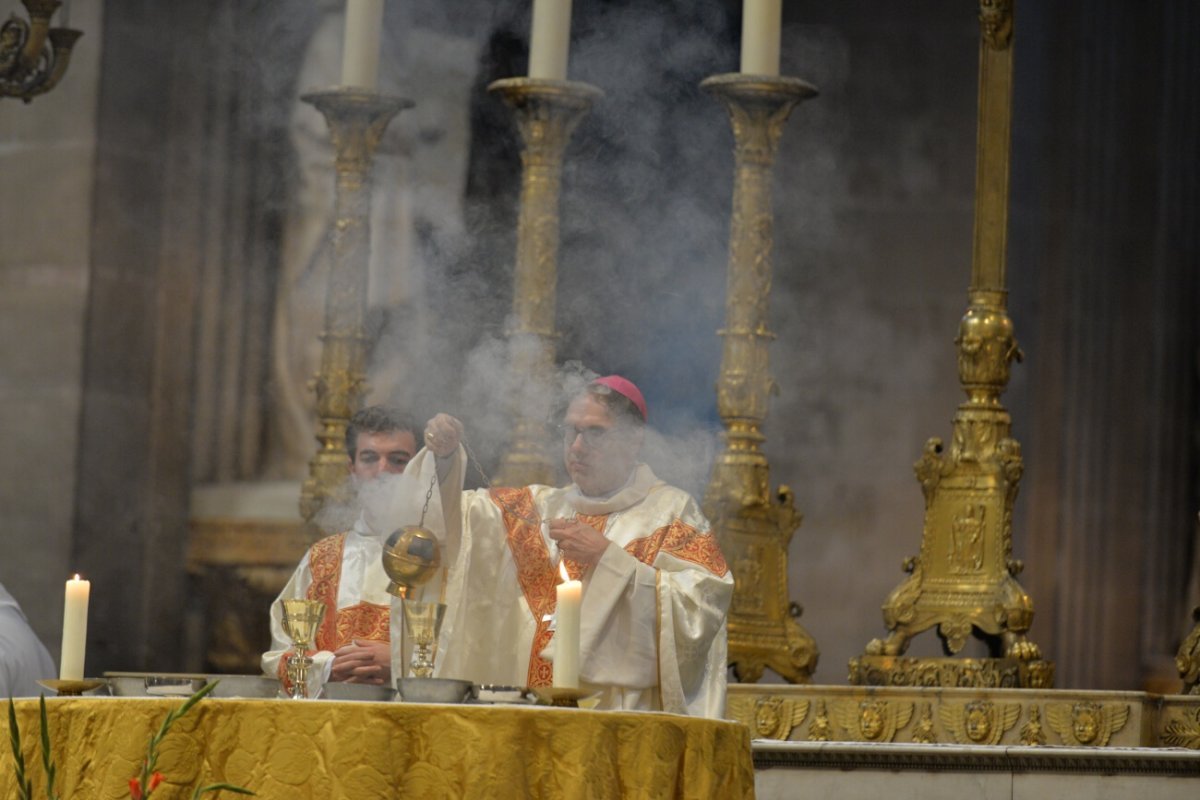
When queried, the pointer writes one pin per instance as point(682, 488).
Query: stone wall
point(47, 160)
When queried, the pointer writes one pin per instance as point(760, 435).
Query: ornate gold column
point(357, 120)
point(754, 529)
point(547, 112)
point(964, 579)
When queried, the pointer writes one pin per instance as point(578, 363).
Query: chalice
point(301, 619)
point(424, 623)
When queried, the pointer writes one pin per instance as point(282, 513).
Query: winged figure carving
point(1085, 722)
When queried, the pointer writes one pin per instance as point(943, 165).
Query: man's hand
point(442, 435)
point(578, 541)
point(362, 661)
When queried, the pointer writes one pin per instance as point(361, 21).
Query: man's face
point(599, 454)
point(382, 452)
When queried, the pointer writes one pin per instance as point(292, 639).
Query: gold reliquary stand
point(753, 527)
point(547, 112)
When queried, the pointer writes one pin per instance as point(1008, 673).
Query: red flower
point(135, 786)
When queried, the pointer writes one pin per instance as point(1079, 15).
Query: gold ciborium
point(424, 624)
point(301, 619)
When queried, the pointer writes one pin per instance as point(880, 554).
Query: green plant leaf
point(47, 761)
point(217, 787)
point(24, 785)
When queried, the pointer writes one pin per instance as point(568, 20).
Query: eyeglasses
point(594, 436)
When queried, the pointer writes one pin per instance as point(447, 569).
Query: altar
point(327, 749)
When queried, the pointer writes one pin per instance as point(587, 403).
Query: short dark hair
point(620, 407)
point(377, 419)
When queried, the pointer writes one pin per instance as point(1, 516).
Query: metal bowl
point(435, 690)
point(362, 692)
point(499, 694)
point(146, 684)
point(244, 686)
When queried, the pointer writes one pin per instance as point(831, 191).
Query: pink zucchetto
point(625, 388)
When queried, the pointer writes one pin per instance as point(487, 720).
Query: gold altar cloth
point(325, 749)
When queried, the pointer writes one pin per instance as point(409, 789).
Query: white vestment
point(23, 658)
point(652, 620)
point(361, 591)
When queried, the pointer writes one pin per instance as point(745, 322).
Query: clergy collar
point(640, 482)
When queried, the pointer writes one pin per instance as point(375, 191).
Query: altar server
point(345, 570)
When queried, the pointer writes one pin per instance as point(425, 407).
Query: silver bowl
point(499, 694)
point(435, 690)
point(148, 684)
point(372, 693)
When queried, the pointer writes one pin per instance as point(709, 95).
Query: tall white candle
point(360, 47)
point(760, 36)
point(74, 635)
point(566, 631)
point(550, 39)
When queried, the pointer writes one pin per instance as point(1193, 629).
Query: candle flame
point(562, 570)
point(76, 576)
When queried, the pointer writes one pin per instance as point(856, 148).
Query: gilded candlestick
point(547, 113)
point(357, 121)
point(964, 579)
point(754, 528)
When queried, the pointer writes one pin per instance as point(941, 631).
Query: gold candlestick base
point(72, 688)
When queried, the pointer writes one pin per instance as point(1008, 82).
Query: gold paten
point(964, 579)
point(357, 120)
point(754, 529)
point(33, 56)
point(547, 112)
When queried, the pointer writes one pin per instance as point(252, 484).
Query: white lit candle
point(550, 39)
point(74, 635)
point(760, 36)
point(566, 631)
point(360, 47)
